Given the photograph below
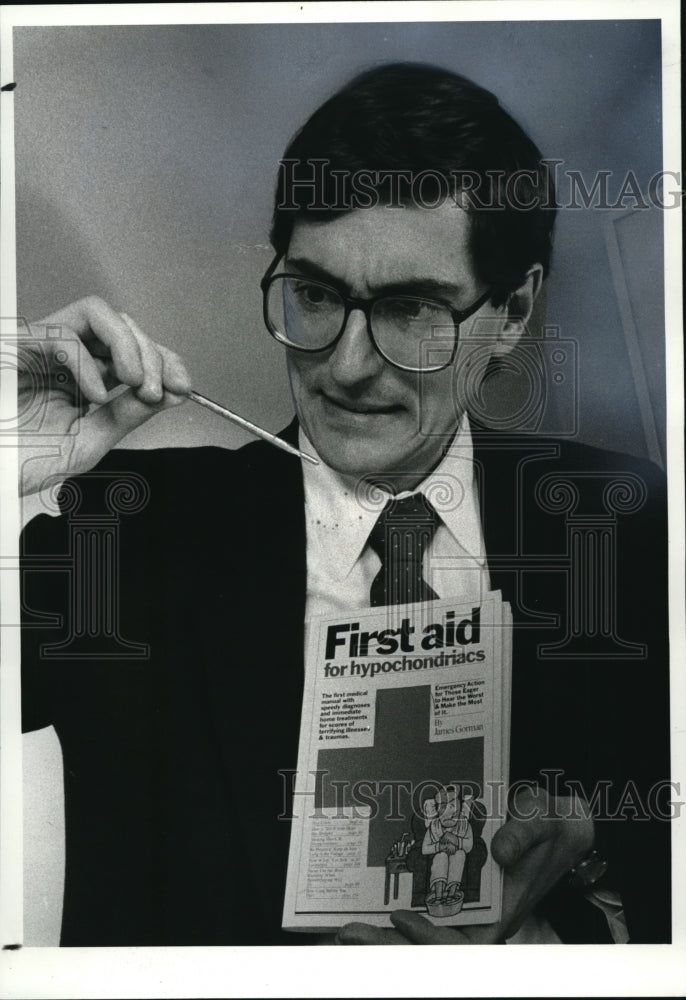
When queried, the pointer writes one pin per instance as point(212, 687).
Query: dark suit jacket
point(177, 763)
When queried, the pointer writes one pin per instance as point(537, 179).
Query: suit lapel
point(494, 475)
point(512, 526)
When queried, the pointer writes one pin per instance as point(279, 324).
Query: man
point(448, 839)
point(175, 684)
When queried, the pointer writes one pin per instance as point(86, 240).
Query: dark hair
point(433, 124)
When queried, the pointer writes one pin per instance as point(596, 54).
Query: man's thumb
point(512, 841)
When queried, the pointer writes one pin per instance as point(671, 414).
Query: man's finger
point(540, 818)
point(358, 933)
point(150, 391)
point(47, 362)
point(93, 317)
point(173, 373)
point(516, 837)
point(418, 930)
point(175, 377)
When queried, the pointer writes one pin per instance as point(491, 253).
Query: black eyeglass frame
point(365, 305)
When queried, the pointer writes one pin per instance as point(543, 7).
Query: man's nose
point(354, 358)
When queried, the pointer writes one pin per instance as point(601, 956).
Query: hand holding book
point(534, 852)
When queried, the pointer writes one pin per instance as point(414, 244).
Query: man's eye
point(407, 308)
point(312, 296)
point(411, 310)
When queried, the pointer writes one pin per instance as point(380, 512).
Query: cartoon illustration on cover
point(445, 853)
point(448, 840)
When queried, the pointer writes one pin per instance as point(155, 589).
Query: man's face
point(365, 417)
point(448, 809)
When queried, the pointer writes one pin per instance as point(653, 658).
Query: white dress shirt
point(340, 512)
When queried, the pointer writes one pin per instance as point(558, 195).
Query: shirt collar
point(340, 514)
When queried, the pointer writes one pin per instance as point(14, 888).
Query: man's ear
point(518, 309)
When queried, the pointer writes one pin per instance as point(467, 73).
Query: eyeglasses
point(410, 332)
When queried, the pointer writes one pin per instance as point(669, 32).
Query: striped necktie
point(400, 537)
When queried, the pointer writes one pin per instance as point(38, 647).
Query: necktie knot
point(403, 532)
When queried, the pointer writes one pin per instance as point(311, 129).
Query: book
point(402, 766)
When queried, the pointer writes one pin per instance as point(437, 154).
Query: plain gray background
point(146, 161)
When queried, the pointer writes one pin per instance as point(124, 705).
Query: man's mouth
point(360, 406)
